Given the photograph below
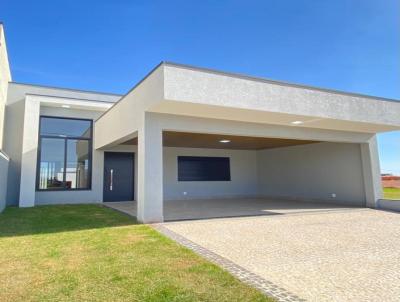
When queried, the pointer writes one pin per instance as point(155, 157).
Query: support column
point(372, 172)
point(150, 171)
point(29, 153)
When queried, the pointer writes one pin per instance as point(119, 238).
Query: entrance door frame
point(133, 173)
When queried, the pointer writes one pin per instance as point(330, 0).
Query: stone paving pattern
point(267, 287)
point(349, 255)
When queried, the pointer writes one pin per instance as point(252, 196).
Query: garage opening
point(214, 175)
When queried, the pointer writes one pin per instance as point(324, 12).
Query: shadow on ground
point(195, 209)
point(59, 218)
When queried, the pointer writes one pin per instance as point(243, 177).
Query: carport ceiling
point(213, 141)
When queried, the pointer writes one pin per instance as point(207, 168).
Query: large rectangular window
point(196, 168)
point(65, 149)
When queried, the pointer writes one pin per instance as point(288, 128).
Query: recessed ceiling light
point(66, 106)
point(297, 123)
point(224, 141)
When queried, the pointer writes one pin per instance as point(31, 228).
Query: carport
point(288, 147)
point(259, 176)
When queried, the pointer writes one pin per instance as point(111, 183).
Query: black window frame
point(226, 176)
point(65, 138)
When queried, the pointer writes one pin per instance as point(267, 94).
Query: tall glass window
point(65, 154)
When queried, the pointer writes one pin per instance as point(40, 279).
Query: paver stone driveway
point(344, 255)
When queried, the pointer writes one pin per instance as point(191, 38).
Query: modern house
point(186, 133)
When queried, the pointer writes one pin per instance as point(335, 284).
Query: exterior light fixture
point(66, 106)
point(297, 123)
point(224, 141)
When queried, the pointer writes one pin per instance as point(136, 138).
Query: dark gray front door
point(118, 176)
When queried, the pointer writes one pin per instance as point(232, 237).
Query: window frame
point(66, 138)
point(204, 159)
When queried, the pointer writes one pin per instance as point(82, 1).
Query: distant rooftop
point(66, 88)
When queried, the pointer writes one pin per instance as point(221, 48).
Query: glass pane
point(77, 176)
point(196, 168)
point(51, 163)
point(65, 127)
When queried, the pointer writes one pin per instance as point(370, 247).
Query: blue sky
point(350, 45)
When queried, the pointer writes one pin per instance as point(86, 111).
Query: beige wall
point(14, 128)
point(198, 93)
point(305, 172)
point(14, 124)
point(4, 161)
point(315, 171)
point(124, 119)
point(5, 77)
point(243, 175)
point(213, 94)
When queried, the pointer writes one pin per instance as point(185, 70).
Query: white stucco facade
point(5, 77)
point(321, 171)
point(4, 162)
point(185, 99)
point(243, 181)
point(341, 165)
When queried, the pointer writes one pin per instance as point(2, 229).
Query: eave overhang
point(188, 91)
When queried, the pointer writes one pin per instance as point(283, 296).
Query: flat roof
point(266, 80)
point(67, 89)
point(219, 72)
point(69, 98)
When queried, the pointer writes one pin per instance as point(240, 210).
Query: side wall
point(315, 171)
point(14, 125)
point(14, 128)
point(4, 160)
point(243, 175)
point(5, 77)
point(13, 144)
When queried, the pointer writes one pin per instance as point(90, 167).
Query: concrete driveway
point(344, 255)
point(228, 207)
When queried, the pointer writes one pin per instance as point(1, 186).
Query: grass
point(91, 253)
point(391, 193)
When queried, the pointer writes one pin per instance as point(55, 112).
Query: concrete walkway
point(349, 255)
point(235, 207)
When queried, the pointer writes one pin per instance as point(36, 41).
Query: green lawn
point(391, 193)
point(91, 253)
